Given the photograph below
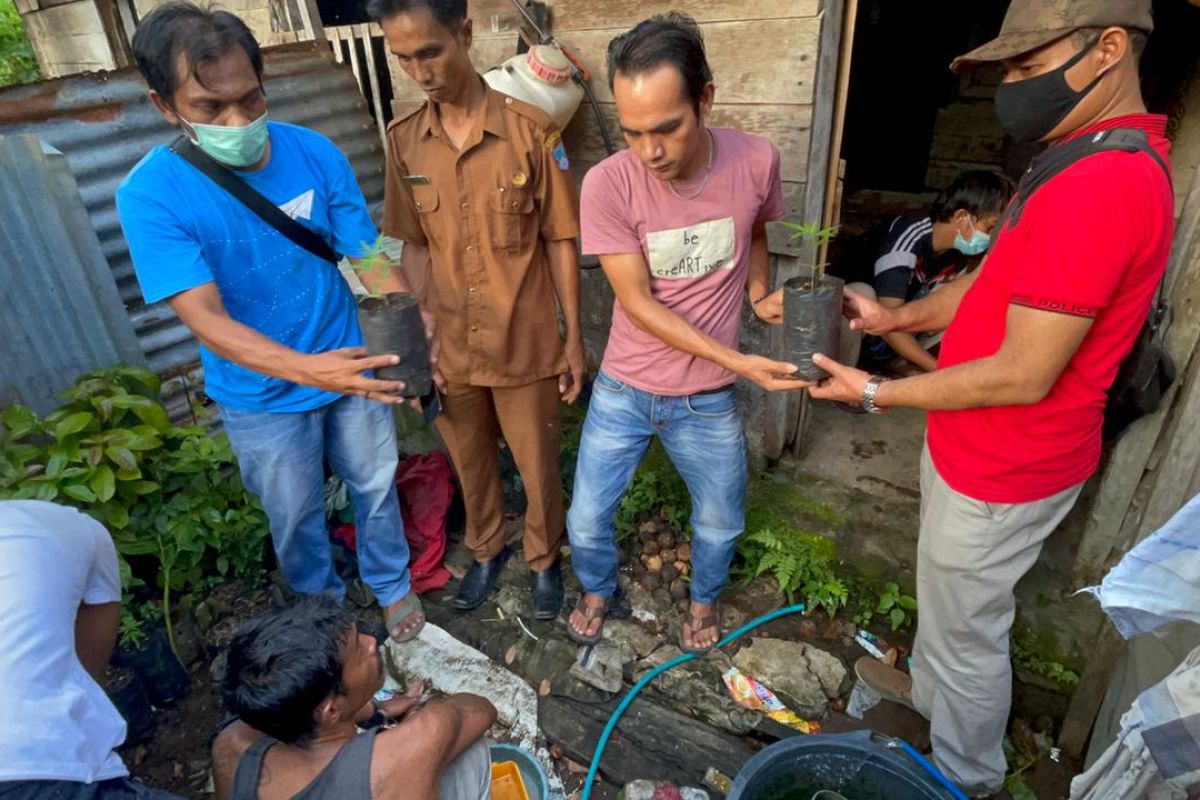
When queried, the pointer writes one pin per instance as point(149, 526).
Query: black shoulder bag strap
point(267, 211)
point(1056, 159)
point(1147, 371)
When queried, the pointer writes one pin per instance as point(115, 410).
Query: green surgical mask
point(234, 147)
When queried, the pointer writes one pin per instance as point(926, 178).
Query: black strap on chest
point(1147, 371)
point(1055, 160)
point(1060, 157)
point(244, 193)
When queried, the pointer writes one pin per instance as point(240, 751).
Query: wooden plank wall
point(966, 134)
point(272, 21)
point(68, 38)
point(763, 56)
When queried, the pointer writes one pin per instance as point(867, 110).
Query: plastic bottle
point(541, 77)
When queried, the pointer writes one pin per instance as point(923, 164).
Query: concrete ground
point(876, 453)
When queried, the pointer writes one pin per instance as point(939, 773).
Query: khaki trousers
point(472, 420)
point(970, 555)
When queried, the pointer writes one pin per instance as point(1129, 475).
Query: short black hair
point(980, 192)
point(282, 664)
point(203, 36)
point(671, 38)
point(448, 13)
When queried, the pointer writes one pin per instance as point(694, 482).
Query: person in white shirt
point(60, 602)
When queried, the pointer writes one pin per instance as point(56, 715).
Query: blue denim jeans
point(282, 459)
point(703, 436)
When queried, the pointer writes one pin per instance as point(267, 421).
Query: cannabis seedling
point(815, 238)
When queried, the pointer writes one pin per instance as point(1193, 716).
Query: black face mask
point(1031, 108)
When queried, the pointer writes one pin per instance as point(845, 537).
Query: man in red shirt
point(1033, 341)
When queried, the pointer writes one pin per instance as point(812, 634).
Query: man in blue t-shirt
point(278, 330)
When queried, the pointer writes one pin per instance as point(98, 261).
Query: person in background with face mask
point(910, 257)
point(278, 329)
point(1035, 339)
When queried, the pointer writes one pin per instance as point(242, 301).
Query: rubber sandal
point(711, 619)
point(590, 614)
point(409, 605)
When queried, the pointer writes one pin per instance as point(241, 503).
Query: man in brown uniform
point(478, 188)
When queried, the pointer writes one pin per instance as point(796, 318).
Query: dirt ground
point(867, 472)
point(176, 758)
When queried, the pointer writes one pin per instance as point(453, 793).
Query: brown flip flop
point(711, 619)
point(590, 614)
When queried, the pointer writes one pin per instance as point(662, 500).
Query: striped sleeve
point(901, 244)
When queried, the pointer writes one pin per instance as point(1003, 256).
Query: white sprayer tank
point(541, 77)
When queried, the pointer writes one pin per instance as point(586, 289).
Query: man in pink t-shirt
point(678, 222)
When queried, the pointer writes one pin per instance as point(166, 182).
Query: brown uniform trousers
point(485, 212)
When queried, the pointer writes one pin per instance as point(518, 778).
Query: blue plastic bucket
point(857, 765)
point(536, 782)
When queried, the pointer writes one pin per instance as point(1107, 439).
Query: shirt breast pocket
point(513, 220)
point(425, 198)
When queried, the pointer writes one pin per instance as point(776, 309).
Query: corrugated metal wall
point(104, 124)
point(62, 314)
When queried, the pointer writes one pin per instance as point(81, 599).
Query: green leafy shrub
point(800, 562)
point(811, 233)
point(1023, 657)
point(17, 62)
point(171, 497)
point(899, 609)
point(570, 425)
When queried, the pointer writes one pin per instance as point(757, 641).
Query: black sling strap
point(1148, 371)
point(267, 211)
point(1058, 158)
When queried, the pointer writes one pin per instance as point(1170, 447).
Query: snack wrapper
point(752, 694)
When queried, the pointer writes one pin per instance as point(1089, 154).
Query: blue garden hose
point(654, 673)
point(682, 659)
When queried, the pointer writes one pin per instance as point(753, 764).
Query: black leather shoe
point(547, 592)
point(479, 582)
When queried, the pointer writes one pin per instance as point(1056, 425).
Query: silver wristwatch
point(868, 395)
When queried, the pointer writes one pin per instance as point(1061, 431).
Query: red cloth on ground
point(426, 486)
point(346, 535)
point(425, 483)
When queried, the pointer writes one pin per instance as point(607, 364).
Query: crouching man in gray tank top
point(301, 680)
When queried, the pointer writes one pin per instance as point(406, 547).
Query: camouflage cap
point(1030, 24)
